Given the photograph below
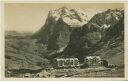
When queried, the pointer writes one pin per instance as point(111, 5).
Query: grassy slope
point(23, 52)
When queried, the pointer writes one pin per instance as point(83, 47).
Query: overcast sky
point(32, 16)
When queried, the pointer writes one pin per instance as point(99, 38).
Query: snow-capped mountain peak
point(75, 17)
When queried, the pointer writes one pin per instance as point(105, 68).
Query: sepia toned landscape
point(72, 40)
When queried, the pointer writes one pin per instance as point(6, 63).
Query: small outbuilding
point(93, 61)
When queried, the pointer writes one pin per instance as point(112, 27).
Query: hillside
point(22, 52)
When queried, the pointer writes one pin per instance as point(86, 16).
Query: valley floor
point(85, 73)
point(75, 73)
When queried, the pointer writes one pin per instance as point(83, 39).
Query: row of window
point(67, 63)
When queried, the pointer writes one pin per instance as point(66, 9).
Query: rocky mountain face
point(59, 25)
point(103, 35)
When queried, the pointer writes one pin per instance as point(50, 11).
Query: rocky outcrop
point(59, 25)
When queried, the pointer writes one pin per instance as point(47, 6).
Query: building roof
point(91, 57)
point(66, 59)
